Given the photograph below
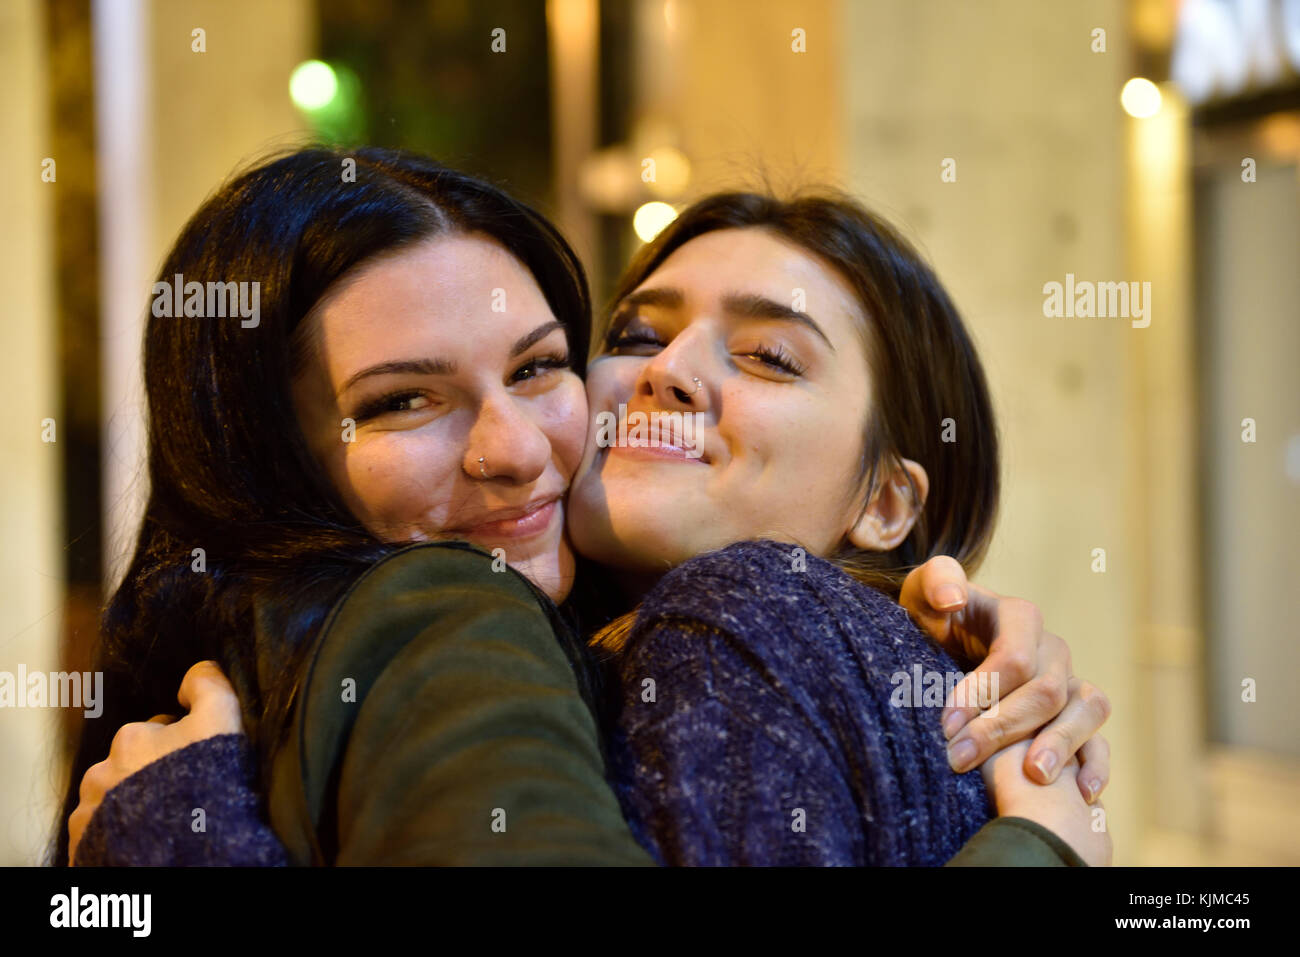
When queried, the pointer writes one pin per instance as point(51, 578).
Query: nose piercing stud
point(698, 384)
point(481, 470)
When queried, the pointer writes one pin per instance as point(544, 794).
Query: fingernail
point(947, 595)
point(1092, 787)
point(952, 724)
point(961, 753)
point(1046, 762)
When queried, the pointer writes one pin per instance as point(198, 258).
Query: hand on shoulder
point(213, 709)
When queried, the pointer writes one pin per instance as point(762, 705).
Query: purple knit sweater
point(757, 725)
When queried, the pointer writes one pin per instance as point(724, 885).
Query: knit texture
point(757, 727)
point(149, 818)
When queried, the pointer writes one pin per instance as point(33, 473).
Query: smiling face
point(442, 354)
point(762, 342)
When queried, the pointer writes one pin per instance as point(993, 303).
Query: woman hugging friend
point(386, 476)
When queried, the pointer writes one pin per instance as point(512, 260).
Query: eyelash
point(386, 404)
point(777, 356)
point(618, 339)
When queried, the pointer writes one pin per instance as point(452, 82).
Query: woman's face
point(760, 341)
point(443, 354)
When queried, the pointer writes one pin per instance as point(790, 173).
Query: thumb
point(932, 593)
point(206, 690)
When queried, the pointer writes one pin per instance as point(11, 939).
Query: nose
point(676, 378)
point(512, 446)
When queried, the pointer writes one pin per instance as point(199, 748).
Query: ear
point(888, 518)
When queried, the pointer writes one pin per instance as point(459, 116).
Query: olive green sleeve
point(1015, 842)
point(440, 722)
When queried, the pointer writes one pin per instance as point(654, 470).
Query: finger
point(943, 583)
point(1019, 651)
point(214, 706)
point(132, 738)
point(1094, 756)
point(204, 684)
point(991, 622)
point(1082, 717)
point(1012, 718)
point(927, 594)
point(90, 790)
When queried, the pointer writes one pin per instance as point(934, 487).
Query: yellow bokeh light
point(313, 85)
point(672, 172)
point(651, 218)
point(1140, 98)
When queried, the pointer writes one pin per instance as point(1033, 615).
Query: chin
point(639, 543)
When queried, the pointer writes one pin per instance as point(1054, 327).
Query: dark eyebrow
point(446, 366)
point(537, 335)
point(751, 306)
point(411, 366)
point(666, 297)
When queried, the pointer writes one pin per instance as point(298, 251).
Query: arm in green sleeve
point(465, 740)
point(1015, 842)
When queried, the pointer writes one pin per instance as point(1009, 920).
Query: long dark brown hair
point(229, 469)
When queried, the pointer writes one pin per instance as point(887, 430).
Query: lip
point(663, 441)
point(660, 453)
point(513, 523)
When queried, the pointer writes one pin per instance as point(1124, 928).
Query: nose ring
point(698, 384)
point(481, 470)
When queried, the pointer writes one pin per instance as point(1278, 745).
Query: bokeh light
point(313, 85)
point(1140, 98)
point(651, 218)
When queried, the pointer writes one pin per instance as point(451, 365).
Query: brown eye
point(539, 366)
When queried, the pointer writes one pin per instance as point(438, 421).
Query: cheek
point(399, 481)
point(795, 450)
point(564, 421)
point(610, 382)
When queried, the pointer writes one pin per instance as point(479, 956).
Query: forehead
point(441, 294)
point(756, 260)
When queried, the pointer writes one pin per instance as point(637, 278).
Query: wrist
point(1069, 825)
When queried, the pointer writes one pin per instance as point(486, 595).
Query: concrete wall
point(30, 561)
point(1012, 92)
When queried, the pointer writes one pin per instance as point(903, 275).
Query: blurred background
point(1152, 475)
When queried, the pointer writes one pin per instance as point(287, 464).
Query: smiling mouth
point(518, 523)
point(659, 453)
point(658, 436)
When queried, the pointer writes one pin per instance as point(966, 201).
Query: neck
point(632, 586)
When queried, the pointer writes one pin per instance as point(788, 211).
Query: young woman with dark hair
point(269, 450)
point(381, 312)
point(841, 416)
